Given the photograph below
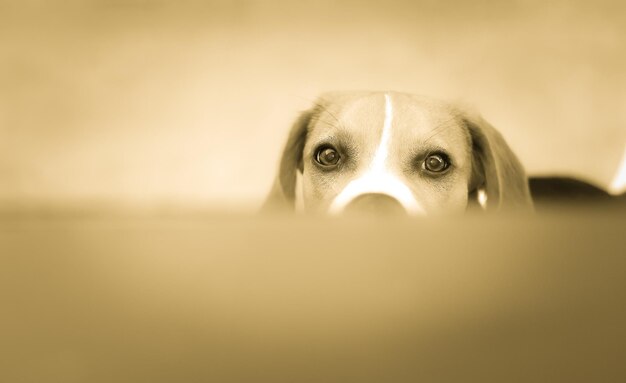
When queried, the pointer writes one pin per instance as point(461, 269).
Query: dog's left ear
point(282, 196)
point(496, 169)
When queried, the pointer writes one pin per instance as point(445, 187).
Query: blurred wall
point(188, 102)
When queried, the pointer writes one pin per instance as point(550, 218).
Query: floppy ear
point(497, 170)
point(282, 196)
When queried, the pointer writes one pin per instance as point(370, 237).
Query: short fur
point(495, 168)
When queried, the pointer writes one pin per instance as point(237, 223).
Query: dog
point(392, 152)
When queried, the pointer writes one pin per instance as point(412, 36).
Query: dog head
point(396, 152)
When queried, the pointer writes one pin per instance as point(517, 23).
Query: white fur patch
point(482, 198)
point(619, 182)
point(382, 152)
point(379, 179)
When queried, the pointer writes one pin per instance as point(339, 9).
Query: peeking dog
point(396, 152)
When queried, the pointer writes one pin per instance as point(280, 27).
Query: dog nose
point(375, 204)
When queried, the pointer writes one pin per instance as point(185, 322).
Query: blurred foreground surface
point(205, 298)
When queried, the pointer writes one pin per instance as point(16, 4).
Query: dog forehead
point(366, 111)
point(423, 118)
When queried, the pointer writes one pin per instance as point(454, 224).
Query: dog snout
point(375, 204)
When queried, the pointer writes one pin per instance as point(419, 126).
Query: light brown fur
point(352, 122)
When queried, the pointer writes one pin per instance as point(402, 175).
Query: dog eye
point(436, 163)
point(327, 156)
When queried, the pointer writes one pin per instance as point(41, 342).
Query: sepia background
point(187, 103)
point(183, 106)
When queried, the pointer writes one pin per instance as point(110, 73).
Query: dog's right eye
point(327, 156)
point(436, 163)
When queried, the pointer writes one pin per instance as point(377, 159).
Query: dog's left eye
point(327, 156)
point(436, 163)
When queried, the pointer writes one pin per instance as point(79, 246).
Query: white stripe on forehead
point(382, 152)
point(379, 179)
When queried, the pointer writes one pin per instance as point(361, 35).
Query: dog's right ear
point(282, 196)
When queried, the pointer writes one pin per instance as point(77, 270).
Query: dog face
point(395, 152)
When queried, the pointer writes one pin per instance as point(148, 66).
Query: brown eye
point(436, 163)
point(327, 156)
